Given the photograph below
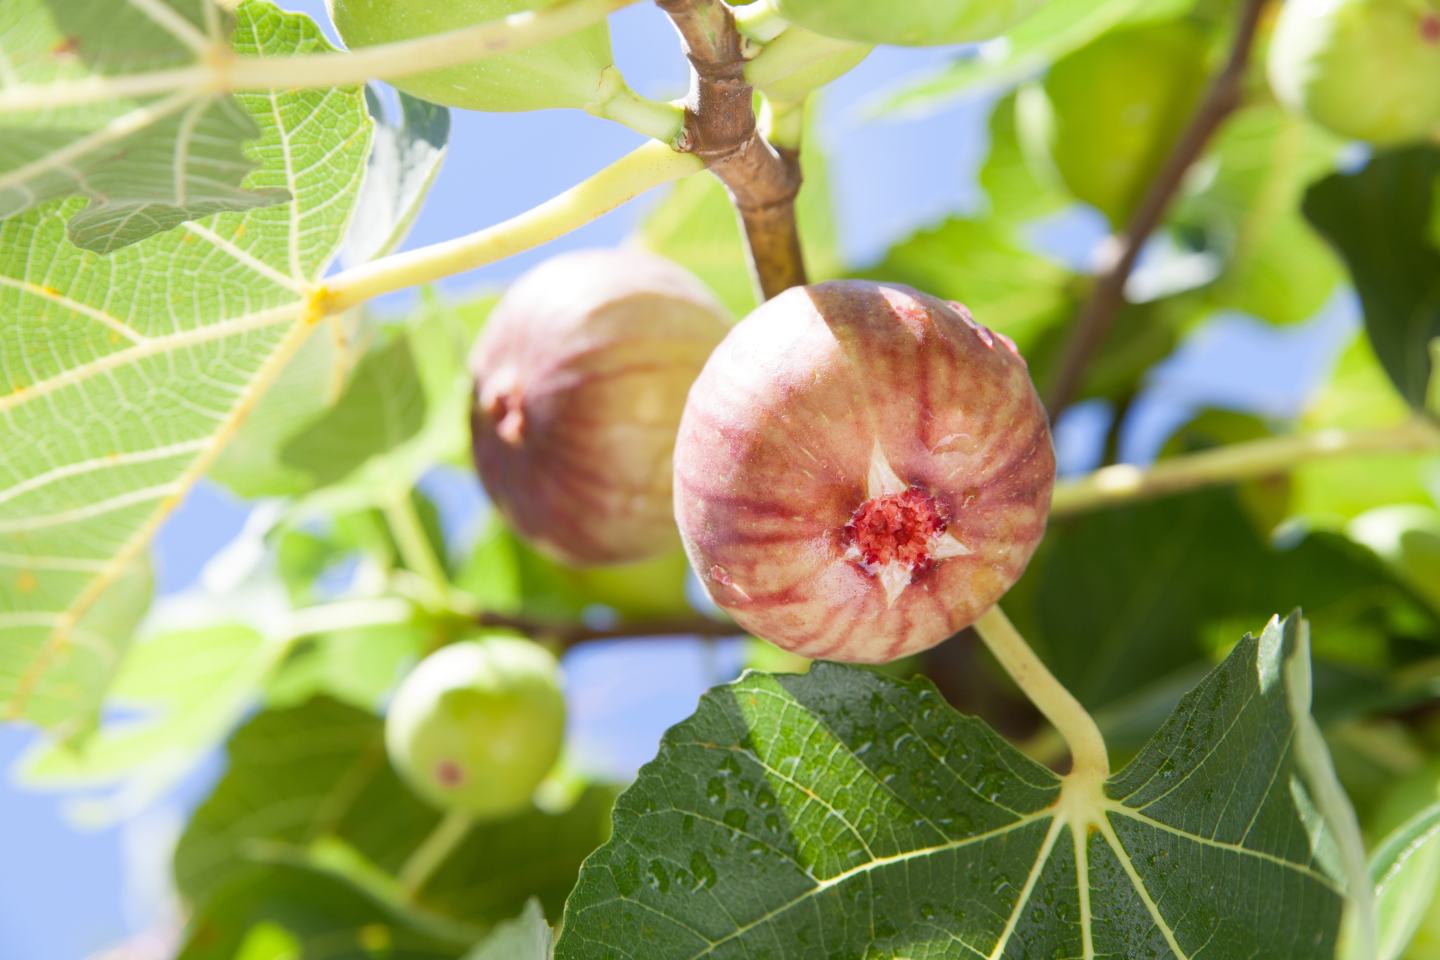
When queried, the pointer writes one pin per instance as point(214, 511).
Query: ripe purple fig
point(862, 470)
point(581, 373)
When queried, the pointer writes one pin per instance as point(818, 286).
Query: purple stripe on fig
point(861, 471)
point(581, 373)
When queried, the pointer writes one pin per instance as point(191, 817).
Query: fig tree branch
point(647, 166)
point(224, 71)
point(1120, 252)
point(720, 129)
point(569, 634)
point(1240, 461)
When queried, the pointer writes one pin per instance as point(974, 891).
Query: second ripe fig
point(862, 470)
point(581, 373)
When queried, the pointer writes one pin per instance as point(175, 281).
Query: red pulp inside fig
point(898, 526)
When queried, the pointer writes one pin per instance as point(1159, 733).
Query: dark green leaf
point(306, 782)
point(1119, 599)
point(1379, 218)
point(844, 813)
point(501, 863)
point(321, 914)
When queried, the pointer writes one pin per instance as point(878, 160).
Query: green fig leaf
point(1119, 599)
point(847, 813)
point(527, 937)
point(124, 375)
point(1060, 27)
point(1405, 869)
point(1276, 268)
point(311, 785)
point(564, 72)
point(405, 159)
point(191, 687)
point(917, 23)
point(289, 910)
point(1378, 219)
point(1117, 105)
point(1359, 396)
point(146, 164)
point(382, 407)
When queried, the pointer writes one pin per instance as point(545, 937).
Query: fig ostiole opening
point(898, 531)
point(861, 471)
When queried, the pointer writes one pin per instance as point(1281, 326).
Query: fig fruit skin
point(477, 725)
point(908, 23)
point(1367, 69)
point(1117, 106)
point(564, 72)
point(581, 374)
point(829, 407)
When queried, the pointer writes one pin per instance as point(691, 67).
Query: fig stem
point(1123, 482)
point(1087, 332)
point(438, 844)
point(763, 181)
point(223, 71)
point(1088, 756)
point(415, 549)
point(648, 166)
point(617, 101)
point(567, 635)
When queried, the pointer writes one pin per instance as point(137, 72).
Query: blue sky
point(66, 892)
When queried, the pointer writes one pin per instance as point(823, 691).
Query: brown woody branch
point(720, 129)
point(569, 634)
point(1093, 322)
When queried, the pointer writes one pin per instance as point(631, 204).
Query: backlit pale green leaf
point(123, 376)
point(1405, 869)
point(146, 165)
point(1060, 27)
point(1277, 267)
point(382, 406)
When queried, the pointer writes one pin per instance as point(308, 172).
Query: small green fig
point(477, 725)
point(908, 23)
point(1368, 69)
point(564, 72)
point(581, 373)
point(862, 470)
point(1115, 109)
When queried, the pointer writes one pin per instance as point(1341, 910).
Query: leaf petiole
point(1240, 461)
point(1090, 761)
point(422, 863)
point(627, 178)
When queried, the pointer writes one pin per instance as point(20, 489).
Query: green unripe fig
point(1116, 107)
point(564, 72)
point(908, 23)
point(1368, 69)
point(477, 725)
